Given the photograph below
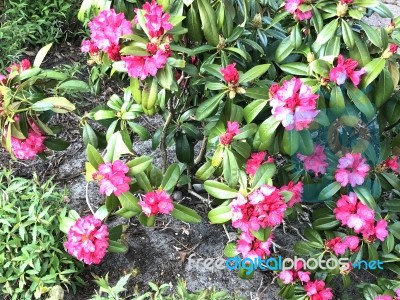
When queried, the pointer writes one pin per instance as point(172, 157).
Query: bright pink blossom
point(316, 290)
point(288, 276)
point(294, 104)
point(88, 46)
point(25, 64)
point(231, 74)
point(343, 2)
point(352, 243)
point(263, 208)
point(156, 202)
point(31, 146)
point(351, 169)
point(383, 297)
point(144, 66)
point(296, 189)
point(232, 130)
point(315, 162)
point(112, 178)
point(256, 160)
point(107, 28)
point(157, 22)
point(3, 79)
point(392, 163)
point(339, 247)
point(88, 240)
point(393, 48)
point(381, 231)
point(346, 69)
point(397, 294)
point(251, 247)
point(292, 6)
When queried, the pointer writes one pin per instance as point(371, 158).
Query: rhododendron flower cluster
point(294, 104)
point(105, 32)
point(346, 69)
point(351, 169)
point(263, 208)
point(316, 290)
point(88, 240)
point(157, 22)
point(292, 6)
point(256, 160)
point(392, 163)
point(383, 297)
point(339, 246)
point(31, 146)
point(251, 247)
point(231, 74)
point(112, 178)
point(296, 189)
point(25, 64)
point(354, 214)
point(156, 202)
point(315, 162)
point(298, 273)
point(232, 130)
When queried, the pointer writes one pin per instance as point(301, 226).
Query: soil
point(158, 254)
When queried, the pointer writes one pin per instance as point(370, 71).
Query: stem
point(87, 198)
point(202, 152)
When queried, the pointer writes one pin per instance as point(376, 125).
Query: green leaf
point(328, 191)
point(306, 145)
point(219, 190)
point(325, 223)
point(284, 49)
point(207, 107)
point(185, 214)
point(147, 221)
point(361, 101)
point(129, 205)
point(372, 35)
point(230, 168)
point(139, 164)
point(115, 148)
point(384, 88)
point(295, 68)
point(205, 171)
point(393, 180)
point(336, 102)
point(373, 70)
point(327, 32)
point(56, 144)
point(254, 73)
point(246, 131)
point(171, 177)
point(265, 135)
point(262, 234)
point(116, 247)
point(74, 86)
point(230, 250)
point(220, 214)
point(94, 157)
point(347, 33)
point(209, 22)
point(388, 244)
point(252, 110)
point(57, 104)
point(89, 136)
point(264, 172)
point(184, 151)
point(290, 142)
point(41, 55)
point(365, 196)
point(313, 236)
point(360, 52)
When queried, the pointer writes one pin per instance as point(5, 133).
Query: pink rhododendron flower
point(157, 22)
point(352, 243)
point(392, 163)
point(230, 73)
point(390, 50)
point(31, 146)
point(252, 248)
point(315, 162)
point(232, 130)
point(346, 2)
point(346, 69)
point(256, 160)
point(383, 297)
point(294, 104)
point(88, 240)
point(25, 64)
point(292, 6)
point(107, 28)
point(288, 276)
point(351, 169)
point(397, 294)
point(273, 90)
point(143, 66)
point(88, 46)
point(296, 189)
point(3, 79)
point(316, 290)
point(381, 231)
point(339, 247)
point(264, 207)
point(112, 178)
point(156, 202)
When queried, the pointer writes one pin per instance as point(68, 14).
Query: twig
point(203, 148)
point(204, 200)
point(87, 198)
point(226, 232)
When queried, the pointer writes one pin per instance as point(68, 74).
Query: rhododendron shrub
point(29, 97)
point(268, 107)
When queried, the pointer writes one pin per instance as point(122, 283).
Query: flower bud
point(390, 28)
point(232, 94)
point(257, 21)
point(310, 57)
point(342, 9)
point(240, 90)
point(390, 50)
